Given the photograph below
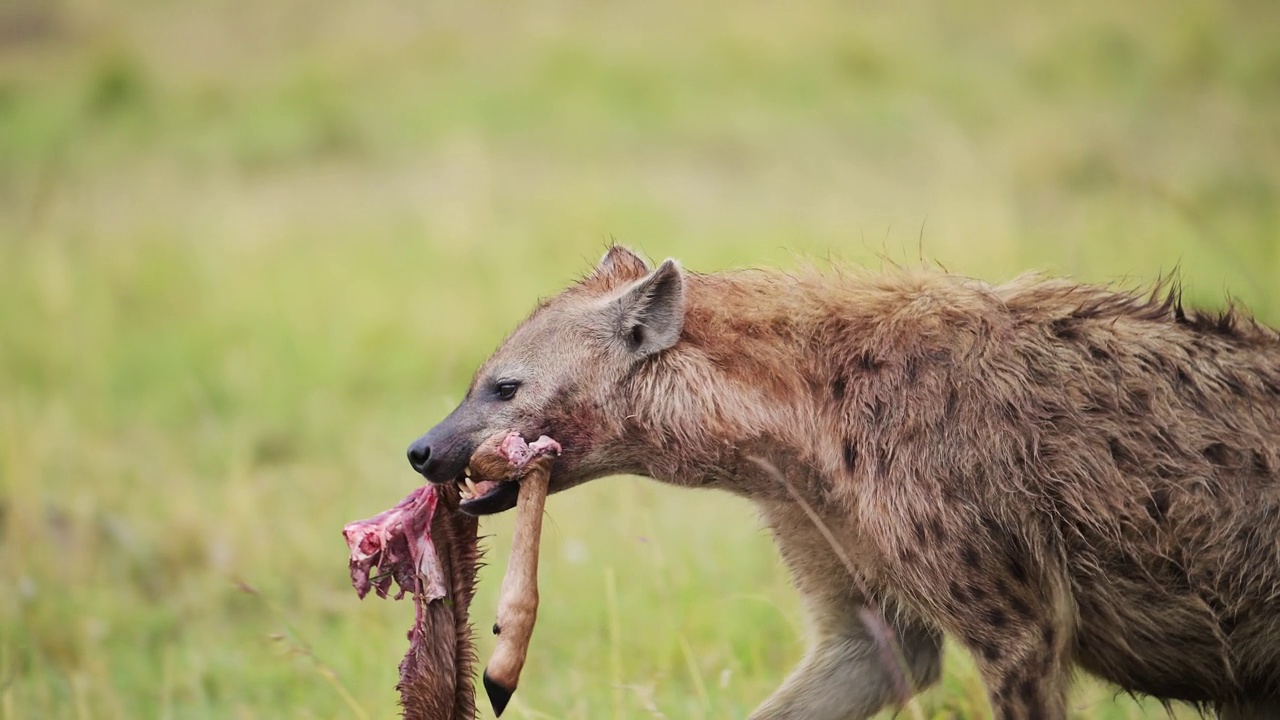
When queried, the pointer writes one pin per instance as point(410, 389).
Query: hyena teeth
point(472, 486)
point(466, 471)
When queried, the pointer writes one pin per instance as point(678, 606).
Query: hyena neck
point(739, 388)
point(766, 469)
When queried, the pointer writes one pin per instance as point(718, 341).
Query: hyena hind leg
point(1024, 670)
point(843, 677)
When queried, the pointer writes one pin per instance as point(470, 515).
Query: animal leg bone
point(518, 602)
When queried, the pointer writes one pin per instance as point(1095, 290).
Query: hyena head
point(564, 372)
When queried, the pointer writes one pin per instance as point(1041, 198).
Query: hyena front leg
point(844, 675)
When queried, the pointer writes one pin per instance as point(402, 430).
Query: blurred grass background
point(248, 251)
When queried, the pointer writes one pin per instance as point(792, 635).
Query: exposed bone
point(518, 601)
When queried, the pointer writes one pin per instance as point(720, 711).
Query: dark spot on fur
point(1002, 588)
point(1027, 691)
point(1098, 353)
point(838, 387)
point(1260, 464)
point(1020, 607)
point(1005, 692)
point(969, 554)
point(918, 527)
point(1065, 329)
point(990, 652)
point(907, 555)
point(1120, 454)
point(953, 399)
point(1011, 410)
point(939, 531)
point(1017, 569)
point(913, 370)
point(957, 592)
point(977, 591)
point(850, 456)
point(1228, 624)
point(1158, 504)
point(1184, 378)
point(1048, 634)
point(869, 363)
point(1217, 453)
point(996, 618)
point(992, 527)
point(950, 493)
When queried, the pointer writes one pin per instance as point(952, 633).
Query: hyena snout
point(442, 453)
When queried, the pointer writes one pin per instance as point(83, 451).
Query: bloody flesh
point(398, 543)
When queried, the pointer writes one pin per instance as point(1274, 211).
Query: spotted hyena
point(1057, 475)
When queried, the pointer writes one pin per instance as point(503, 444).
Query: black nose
point(419, 455)
point(441, 455)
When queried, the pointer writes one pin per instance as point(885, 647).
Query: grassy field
point(249, 251)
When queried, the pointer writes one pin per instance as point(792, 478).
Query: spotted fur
point(1057, 475)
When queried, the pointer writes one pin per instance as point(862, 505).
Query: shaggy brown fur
point(1058, 475)
point(425, 692)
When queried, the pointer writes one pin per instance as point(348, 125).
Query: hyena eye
point(506, 389)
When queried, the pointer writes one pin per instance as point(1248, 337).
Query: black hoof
point(498, 695)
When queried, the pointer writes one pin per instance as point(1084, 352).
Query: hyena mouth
point(491, 481)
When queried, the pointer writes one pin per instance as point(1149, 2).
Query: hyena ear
point(619, 265)
point(651, 312)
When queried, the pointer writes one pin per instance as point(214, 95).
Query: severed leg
point(518, 601)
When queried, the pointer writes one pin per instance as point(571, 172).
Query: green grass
point(249, 251)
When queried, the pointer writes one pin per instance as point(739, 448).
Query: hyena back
point(1057, 475)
